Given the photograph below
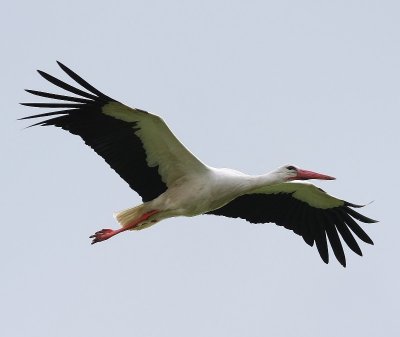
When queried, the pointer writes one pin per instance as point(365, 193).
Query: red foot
point(102, 235)
point(105, 234)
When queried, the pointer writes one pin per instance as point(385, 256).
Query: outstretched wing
point(306, 210)
point(138, 145)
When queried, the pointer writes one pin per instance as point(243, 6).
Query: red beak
point(305, 175)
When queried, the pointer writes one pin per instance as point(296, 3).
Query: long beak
point(305, 175)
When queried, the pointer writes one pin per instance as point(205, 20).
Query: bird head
point(291, 172)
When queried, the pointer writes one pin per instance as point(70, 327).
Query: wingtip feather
point(62, 66)
point(42, 73)
point(349, 204)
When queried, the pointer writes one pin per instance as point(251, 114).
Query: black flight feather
point(313, 224)
point(113, 139)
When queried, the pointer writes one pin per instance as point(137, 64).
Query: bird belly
point(184, 200)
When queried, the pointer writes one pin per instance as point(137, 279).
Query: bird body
point(196, 194)
point(173, 182)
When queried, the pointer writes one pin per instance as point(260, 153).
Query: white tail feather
point(128, 215)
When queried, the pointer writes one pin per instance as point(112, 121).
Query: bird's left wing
point(306, 210)
point(138, 145)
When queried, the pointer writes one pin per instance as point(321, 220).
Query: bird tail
point(127, 216)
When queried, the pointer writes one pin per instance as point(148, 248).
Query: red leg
point(105, 234)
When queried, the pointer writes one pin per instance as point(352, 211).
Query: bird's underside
point(141, 148)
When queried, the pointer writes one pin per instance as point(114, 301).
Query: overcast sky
point(249, 85)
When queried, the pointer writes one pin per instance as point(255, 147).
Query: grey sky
point(247, 85)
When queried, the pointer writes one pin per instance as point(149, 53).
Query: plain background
point(248, 85)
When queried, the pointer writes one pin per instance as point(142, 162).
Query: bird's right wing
point(306, 210)
point(138, 145)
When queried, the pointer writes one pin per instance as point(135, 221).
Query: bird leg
point(105, 234)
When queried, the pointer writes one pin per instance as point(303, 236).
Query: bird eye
point(291, 168)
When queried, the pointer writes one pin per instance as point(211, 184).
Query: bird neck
point(262, 180)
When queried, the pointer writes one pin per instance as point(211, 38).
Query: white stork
point(141, 148)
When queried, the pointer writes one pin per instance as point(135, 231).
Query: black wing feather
point(55, 105)
point(334, 239)
point(318, 229)
point(66, 86)
point(313, 224)
point(113, 139)
point(82, 82)
point(357, 230)
point(305, 230)
point(60, 97)
point(344, 231)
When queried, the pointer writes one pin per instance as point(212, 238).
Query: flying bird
point(140, 147)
